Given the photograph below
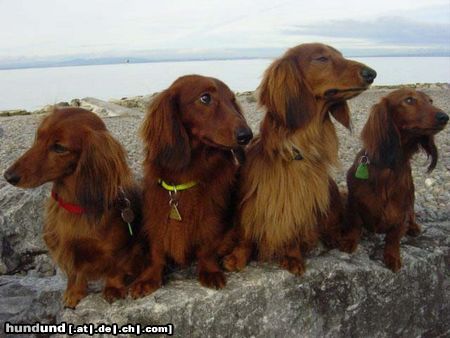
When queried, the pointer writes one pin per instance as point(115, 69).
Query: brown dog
point(92, 186)
point(191, 133)
point(287, 195)
point(381, 194)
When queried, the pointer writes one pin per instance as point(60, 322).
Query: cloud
point(384, 30)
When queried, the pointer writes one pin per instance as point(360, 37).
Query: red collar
point(72, 208)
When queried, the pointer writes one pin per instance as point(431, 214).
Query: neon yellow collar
point(178, 187)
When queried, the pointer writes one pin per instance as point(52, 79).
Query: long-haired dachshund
point(287, 197)
point(380, 185)
point(92, 217)
point(192, 135)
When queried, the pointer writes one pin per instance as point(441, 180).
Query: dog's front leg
point(293, 260)
point(352, 231)
point(76, 289)
point(330, 224)
point(239, 257)
point(414, 229)
point(392, 257)
point(115, 287)
point(150, 279)
point(209, 272)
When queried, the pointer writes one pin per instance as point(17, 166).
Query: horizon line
point(103, 61)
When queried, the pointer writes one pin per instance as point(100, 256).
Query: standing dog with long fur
point(91, 224)
point(380, 184)
point(287, 197)
point(192, 131)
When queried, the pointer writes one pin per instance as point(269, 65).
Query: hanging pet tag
point(128, 217)
point(362, 171)
point(174, 213)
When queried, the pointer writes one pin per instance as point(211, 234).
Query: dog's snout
point(11, 177)
point(368, 74)
point(441, 117)
point(243, 135)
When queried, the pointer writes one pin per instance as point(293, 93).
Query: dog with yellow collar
point(193, 134)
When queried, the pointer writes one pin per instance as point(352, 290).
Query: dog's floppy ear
point(101, 171)
point(381, 137)
point(427, 144)
point(165, 138)
point(286, 95)
point(341, 113)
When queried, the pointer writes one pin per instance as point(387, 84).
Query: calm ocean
point(33, 88)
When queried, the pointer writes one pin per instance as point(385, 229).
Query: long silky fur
point(283, 198)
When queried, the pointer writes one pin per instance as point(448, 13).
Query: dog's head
point(195, 110)
point(73, 147)
point(403, 115)
point(309, 78)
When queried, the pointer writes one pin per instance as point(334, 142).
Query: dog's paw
point(232, 262)
point(414, 230)
point(111, 293)
point(72, 298)
point(331, 242)
point(293, 265)
point(393, 261)
point(213, 280)
point(348, 245)
point(141, 288)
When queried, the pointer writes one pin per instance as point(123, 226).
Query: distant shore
point(116, 60)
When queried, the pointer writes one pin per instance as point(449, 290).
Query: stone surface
point(340, 295)
point(104, 108)
point(21, 246)
point(30, 299)
point(139, 102)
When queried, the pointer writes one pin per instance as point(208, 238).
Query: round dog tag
point(127, 215)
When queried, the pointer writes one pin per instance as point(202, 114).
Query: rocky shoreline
point(340, 295)
point(140, 102)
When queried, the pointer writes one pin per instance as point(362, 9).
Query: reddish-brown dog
point(190, 133)
point(381, 195)
point(92, 186)
point(287, 195)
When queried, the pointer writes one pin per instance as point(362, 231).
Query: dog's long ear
point(427, 144)
point(165, 138)
point(341, 113)
point(286, 95)
point(381, 137)
point(101, 170)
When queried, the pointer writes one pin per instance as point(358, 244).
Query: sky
point(34, 30)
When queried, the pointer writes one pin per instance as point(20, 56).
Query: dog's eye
point(410, 100)
point(321, 59)
point(57, 148)
point(205, 99)
point(430, 100)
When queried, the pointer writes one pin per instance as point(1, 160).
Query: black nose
point(11, 177)
point(243, 136)
point(368, 74)
point(441, 117)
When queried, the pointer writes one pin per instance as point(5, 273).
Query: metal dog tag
point(127, 215)
point(174, 213)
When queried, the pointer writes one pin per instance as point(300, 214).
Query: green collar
point(178, 187)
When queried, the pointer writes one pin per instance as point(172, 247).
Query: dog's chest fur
point(75, 245)
point(281, 199)
point(202, 208)
point(385, 206)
